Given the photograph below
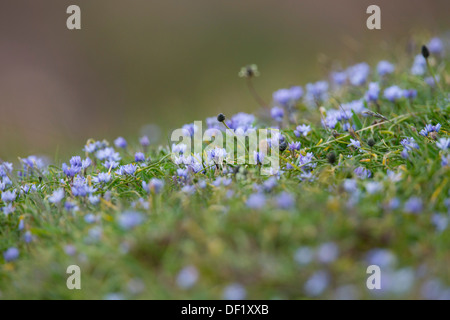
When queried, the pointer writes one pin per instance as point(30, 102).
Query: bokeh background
point(144, 65)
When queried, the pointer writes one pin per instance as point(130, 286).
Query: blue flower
point(410, 94)
point(358, 73)
point(419, 66)
point(120, 142)
point(409, 143)
point(102, 177)
point(354, 143)
point(393, 93)
point(413, 205)
point(285, 201)
point(277, 113)
point(284, 97)
point(70, 171)
point(86, 163)
point(234, 291)
point(339, 78)
point(385, 67)
point(8, 209)
point(362, 173)
point(9, 196)
point(130, 219)
point(28, 237)
point(258, 157)
point(144, 141)
point(11, 254)
point(154, 185)
point(373, 92)
point(304, 256)
point(187, 277)
point(128, 169)
point(317, 283)
point(302, 130)
point(139, 156)
point(256, 201)
point(316, 92)
point(327, 252)
point(294, 146)
point(189, 129)
point(436, 46)
point(443, 143)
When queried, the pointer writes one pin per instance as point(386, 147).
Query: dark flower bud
point(221, 117)
point(331, 157)
point(425, 52)
point(371, 142)
point(283, 146)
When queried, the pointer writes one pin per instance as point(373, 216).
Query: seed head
point(425, 52)
point(371, 142)
point(331, 157)
point(221, 117)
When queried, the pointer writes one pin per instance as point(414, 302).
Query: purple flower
point(354, 143)
point(362, 173)
point(285, 201)
point(410, 94)
point(385, 67)
point(56, 196)
point(316, 92)
point(445, 160)
point(373, 187)
point(5, 168)
point(144, 141)
point(130, 219)
point(285, 97)
point(327, 252)
point(350, 185)
point(430, 81)
point(294, 146)
point(296, 93)
point(440, 221)
point(7, 209)
point(317, 283)
point(282, 96)
point(258, 157)
point(256, 201)
point(303, 255)
point(11, 254)
point(86, 163)
point(409, 144)
point(139, 156)
point(443, 143)
point(28, 237)
point(70, 171)
point(413, 205)
point(102, 177)
point(182, 173)
point(128, 169)
point(154, 185)
point(187, 277)
point(120, 142)
point(436, 46)
point(234, 291)
point(419, 66)
point(190, 129)
point(373, 92)
point(277, 113)
point(75, 162)
point(188, 189)
point(9, 196)
point(381, 257)
point(70, 250)
point(358, 73)
point(302, 130)
point(393, 93)
point(339, 78)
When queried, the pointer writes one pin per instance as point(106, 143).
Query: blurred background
point(144, 65)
